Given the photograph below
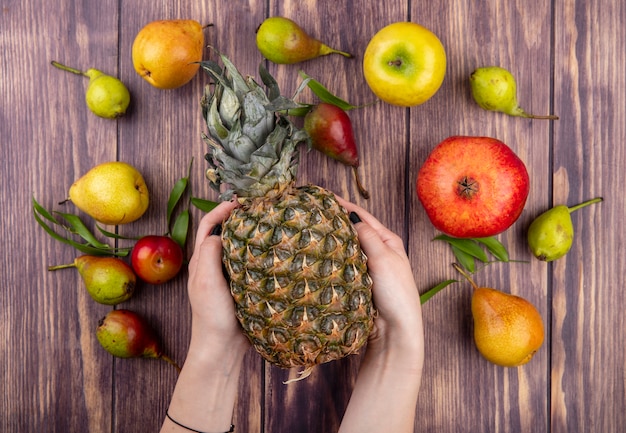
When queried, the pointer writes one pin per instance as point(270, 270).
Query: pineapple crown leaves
point(252, 146)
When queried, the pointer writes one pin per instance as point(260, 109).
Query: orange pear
point(508, 330)
point(166, 53)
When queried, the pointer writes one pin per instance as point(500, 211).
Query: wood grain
point(568, 58)
point(587, 353)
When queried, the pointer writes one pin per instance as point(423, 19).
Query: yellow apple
point(404, 64)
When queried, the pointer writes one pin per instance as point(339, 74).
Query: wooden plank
point(588, 381)
point(54, 377)
point(461, 391)
point(161, 137)
point(318, 402)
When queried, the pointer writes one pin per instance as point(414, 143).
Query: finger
point(371, 243)
point(210, 220)
point(207, 259)
point(386, 235)
point(364, 215)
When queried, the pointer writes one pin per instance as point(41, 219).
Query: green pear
point(494, 89)
point(106, 96)
point(126, 334)
point(551, 234)
point(109, 280)
point(111, 193)
point(283, 41)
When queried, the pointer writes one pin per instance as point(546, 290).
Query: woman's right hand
point(398, 324)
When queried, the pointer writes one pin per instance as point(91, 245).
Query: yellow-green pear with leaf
point(111, 193)
point(109, 280)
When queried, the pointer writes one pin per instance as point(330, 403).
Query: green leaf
point(181, 228)
point(466, 260)
point(495, 247)
point(204, 205)
point(424, 297)
point(177, 192)
point(115, 235)
point(43, 212)
point(324, 94)
point(99, 249)
point(84, 248)
point(77, 227)
point(468, 246)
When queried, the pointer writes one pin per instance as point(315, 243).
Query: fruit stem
point(520, 112)
point(325, 49)
point(67, 68)
point(362, 190)
point(57, 267)
point(465, 274)
point(171, 361)
point(585, 203)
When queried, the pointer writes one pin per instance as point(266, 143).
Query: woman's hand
point(207, 387)
point(214, 324)
point(385, 393)
point(399, 320)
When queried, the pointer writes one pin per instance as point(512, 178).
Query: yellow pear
point(166, 53)
point(111, 193)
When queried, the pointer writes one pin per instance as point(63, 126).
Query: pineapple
point(297, 272)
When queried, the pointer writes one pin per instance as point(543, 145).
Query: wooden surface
point(568, 57)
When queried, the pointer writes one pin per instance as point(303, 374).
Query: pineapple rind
point(298, 277)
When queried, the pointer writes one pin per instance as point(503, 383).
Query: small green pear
point(109, 280)
point(494, 89)
point(283, 41)
point(126, 334)
point(551, 234)
point(106, 96)
point(112, 193)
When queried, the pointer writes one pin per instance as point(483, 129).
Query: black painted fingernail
point(354, 218)
point(217, 230)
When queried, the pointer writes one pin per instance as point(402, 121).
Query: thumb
point(207, 257)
